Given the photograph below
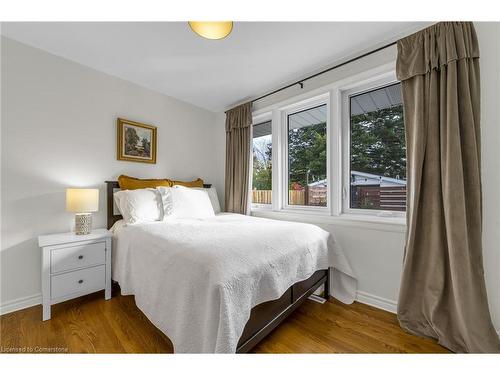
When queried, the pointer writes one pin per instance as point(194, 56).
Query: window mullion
point(276, 160)
point(335, 145)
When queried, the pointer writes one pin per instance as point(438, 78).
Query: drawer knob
point(80, 281)
point(80, 256)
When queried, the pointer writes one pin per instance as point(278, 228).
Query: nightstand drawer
point(86, 280)
point(70, 258)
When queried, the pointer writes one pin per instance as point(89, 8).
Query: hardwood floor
point(92, 325)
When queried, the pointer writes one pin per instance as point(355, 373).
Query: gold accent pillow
point(198, 183)
point(132, 183)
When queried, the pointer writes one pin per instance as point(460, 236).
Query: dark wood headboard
point(110, 189)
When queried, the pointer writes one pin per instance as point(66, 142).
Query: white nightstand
point(74, 265)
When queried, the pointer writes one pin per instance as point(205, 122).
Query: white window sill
point(391, 224)
point(401, 221)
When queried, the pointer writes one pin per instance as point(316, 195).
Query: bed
point(221, 285)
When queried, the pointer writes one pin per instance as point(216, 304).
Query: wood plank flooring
point(92, 325)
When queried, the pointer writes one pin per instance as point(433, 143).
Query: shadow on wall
point(20, 268)
point(23, 220)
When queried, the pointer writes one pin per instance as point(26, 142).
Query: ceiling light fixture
point(212, 30)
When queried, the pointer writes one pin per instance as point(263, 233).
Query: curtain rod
point(301, 82)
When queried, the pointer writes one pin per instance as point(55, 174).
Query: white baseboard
point(20, 303)
point(376, 301)
point(382, 303)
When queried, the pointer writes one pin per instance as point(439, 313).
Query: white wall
point(59, 130)
point(376, 250)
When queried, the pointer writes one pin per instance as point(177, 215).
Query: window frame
point(256, 120)
point(338, 151)
point(376, 83)
point(303, 105)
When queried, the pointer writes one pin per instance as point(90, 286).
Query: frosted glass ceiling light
point(212, 30)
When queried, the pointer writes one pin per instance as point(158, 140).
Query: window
point(307, 157)
point(377, 150)
point(262, 163)
point(338, 151)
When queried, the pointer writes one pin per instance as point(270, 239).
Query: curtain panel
point(238, 143)
point(443, 293)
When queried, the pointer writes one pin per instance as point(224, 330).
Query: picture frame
point(136, 141)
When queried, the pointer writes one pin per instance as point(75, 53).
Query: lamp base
point(83, 223)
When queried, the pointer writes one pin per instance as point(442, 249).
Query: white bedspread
point(197, 280)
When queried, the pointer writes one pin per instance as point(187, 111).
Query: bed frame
point(266, 316)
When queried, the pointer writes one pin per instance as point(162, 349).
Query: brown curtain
point(443, 293)
point(238, 140)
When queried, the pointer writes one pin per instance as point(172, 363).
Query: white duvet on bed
point(197, 280)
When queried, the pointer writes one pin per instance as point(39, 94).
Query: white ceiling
point(168, 57)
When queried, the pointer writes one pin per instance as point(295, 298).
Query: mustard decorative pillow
point(192, 184)
point(132, 183)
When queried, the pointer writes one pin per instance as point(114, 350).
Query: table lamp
point(82, 202)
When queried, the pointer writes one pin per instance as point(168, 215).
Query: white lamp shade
point(82, 200)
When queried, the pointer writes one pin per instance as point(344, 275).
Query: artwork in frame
point(136, 141)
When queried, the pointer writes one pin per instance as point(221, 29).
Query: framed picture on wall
point(136, 141)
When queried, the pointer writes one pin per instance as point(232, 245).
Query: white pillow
point(212, 194)
point(180, 202)
point(141, 205)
